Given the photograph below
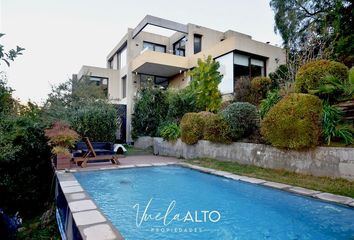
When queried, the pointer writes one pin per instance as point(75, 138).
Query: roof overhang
point(159, 64)
point(159, 22)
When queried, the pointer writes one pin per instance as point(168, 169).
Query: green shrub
point(242, 118)
point(311, 75)
point(181, 102)
point(96, 120)
point(243, 92)
point(150, 110)
point(192, 126)
point(331, 127)
point(351, 76)
point(294, 122)
point(259, 87)
point(25, 167)
point(170, 131)
point(216, 129)
point(273, 97)
point(333, 89)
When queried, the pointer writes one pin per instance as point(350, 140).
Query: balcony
point(159, 64)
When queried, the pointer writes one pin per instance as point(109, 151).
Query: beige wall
point(209, 38)
point(180, 81)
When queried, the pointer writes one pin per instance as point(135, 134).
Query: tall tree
point(329, 21)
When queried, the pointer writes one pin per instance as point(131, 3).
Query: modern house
point(141, 55)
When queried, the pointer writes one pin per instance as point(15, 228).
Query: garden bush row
point(293, 116)
point(236, 121)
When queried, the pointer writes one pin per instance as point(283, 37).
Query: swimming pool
point(174, 202)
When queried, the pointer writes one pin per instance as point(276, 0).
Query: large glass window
point(122, 58)
point(246, 66)
point(154, 47)
point(179, 48)
point(241, 66)
point(124, 87)
point(100, 81)
point(257, 68)
point(156, 80)
point(197, 43)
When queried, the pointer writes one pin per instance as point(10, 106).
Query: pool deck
point(91, 221)
point(128, 161)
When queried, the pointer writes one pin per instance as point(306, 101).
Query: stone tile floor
point(130, 160)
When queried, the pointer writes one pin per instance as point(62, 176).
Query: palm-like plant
point(273, 97)
point(333, 88)
point(331, 127)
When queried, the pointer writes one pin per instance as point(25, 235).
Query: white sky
point(62, 35)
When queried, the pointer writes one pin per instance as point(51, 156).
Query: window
point(154, 47)
point(246, 66)
point(257, 68)
point(122, 57)
point(100, 81)
point(241, 66)
point(179, 47)
point(197, 43)
point(124, 87)
point(156, 80)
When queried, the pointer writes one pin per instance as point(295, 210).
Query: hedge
point(216, 129)
point(242, 117)
point(294, 122)
point(310, 76)
point(192, 126)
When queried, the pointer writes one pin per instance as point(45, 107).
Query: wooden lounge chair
point(91, 155)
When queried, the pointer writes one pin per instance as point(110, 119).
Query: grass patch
point(326, 184)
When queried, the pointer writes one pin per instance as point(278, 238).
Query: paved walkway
point(132, 160)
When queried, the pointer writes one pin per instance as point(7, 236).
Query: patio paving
point(131, 160)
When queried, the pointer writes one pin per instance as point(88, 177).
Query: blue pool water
point(209, 207)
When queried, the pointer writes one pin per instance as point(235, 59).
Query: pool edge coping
point(71, 187)
point(323, 196)
point(76, 187)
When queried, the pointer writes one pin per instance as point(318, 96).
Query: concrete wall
point(321, 161)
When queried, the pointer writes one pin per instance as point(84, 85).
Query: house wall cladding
point(320, 161)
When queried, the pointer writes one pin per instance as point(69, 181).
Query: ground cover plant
point(326, 184)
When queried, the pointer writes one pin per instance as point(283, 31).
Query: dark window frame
point(179, 49)
point(103, 86)
point(124, 86)
point(154, 78)
point(155, 45)
point(199, 48)
point(255, 57)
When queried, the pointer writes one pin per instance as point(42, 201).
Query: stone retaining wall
point(320, 161)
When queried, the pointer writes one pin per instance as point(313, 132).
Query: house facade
point(141, 56)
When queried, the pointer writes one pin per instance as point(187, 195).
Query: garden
point(296, 115)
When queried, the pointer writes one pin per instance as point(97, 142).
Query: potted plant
point(61, 138)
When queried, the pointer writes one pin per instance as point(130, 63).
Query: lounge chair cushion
point(101, 148)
